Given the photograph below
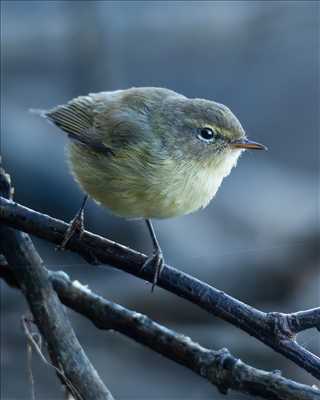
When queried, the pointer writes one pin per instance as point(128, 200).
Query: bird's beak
point(247, 144)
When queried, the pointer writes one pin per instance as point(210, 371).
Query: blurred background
point(258, 240)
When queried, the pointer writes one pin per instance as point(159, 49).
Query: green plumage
point(138, 151)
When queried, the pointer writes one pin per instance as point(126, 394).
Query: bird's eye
point(206, 134)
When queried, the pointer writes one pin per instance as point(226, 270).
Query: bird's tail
point(76, 119)
point(38, 111)
point(73, 118)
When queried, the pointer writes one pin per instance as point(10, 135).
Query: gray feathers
point(159, 119)
point(74, 117)
point(77, 119)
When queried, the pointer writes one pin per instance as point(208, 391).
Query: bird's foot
point(157, 261)
point(76, 225)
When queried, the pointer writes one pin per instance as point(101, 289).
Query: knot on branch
point(219, 369)
point(282, 325)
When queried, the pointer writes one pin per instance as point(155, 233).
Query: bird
point(148, 153)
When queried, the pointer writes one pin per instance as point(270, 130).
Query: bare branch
point(49, 315)
point(34, 341)
point(218, 367)
point(269, 328)
point(303, 320)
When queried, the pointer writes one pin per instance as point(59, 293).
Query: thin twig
point(32, 342)
point(270, 328)
point(30, 372)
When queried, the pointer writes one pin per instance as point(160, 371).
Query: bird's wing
point(76, 118)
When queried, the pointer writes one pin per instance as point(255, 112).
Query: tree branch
point(272, 329)
point(218, 367)
point(303, 320)
point(33, 279)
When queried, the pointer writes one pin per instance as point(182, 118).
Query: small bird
point(149, 153)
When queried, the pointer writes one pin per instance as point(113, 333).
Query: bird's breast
point(133, 189)
point(194, 187)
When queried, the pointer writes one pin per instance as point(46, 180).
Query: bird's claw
point(157, 261)
point(76, 225)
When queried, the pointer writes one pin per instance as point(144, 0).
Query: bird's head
point(203, 130)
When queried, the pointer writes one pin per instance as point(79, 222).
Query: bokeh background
point(258, 240)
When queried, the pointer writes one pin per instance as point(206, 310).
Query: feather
point(77, 119)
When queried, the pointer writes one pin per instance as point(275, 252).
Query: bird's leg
point(156, 259)
point(75, 225)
